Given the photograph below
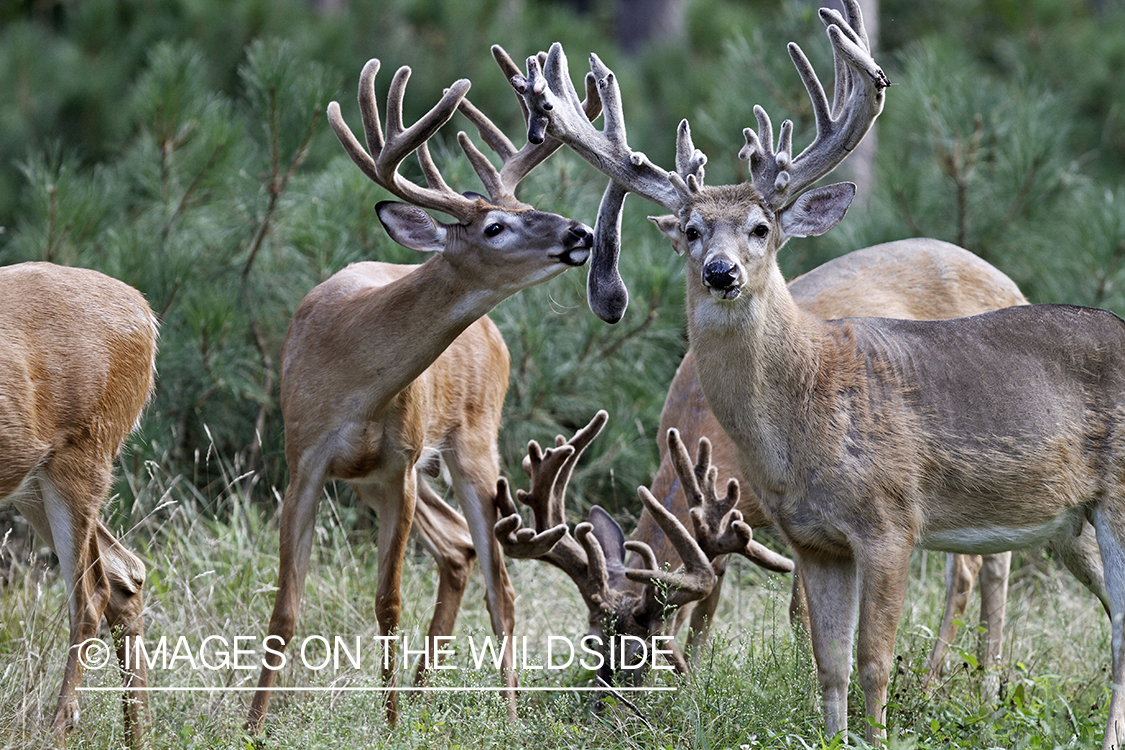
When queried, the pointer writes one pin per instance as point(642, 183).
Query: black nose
point(581, 235)
point(719, 274)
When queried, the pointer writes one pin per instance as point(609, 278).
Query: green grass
point(754, 685)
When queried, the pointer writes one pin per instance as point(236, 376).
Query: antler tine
point(550, 471)
point(857, 101)
point(719, 528)
point(692, 582)
point(520, 542)
point(384, 153)
point(582, 559)
point(689, 159)
point(516, 164)
point(554, 108)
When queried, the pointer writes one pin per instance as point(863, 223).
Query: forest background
point(182, 147)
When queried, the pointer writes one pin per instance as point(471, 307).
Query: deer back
point(77, 365)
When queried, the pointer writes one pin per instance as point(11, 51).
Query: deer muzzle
point(722, 278)
point(579, 243)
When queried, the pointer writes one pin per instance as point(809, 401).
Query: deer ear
point(612, 539)
point(411, 227)
point(669, 226)
point(817, 210)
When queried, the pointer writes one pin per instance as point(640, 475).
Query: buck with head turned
point(387, 368)
point(77, 366)
point(918, 279)
point(867, 437)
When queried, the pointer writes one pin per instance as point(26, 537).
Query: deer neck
point(430, 307)
point(382, 325)
point(758, 359)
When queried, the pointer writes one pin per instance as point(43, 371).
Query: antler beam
point(381, 159)
point(858, 98)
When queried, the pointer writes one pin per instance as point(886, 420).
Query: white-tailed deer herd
point(901, 396)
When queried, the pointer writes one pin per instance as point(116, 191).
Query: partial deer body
point(385, 365)
point(77, 364)
point(992, 432)
point(866, 437)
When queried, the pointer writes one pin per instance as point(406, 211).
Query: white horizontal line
point(350, 689)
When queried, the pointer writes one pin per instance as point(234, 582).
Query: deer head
point(496, 235)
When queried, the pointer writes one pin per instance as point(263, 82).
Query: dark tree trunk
point(641, 21)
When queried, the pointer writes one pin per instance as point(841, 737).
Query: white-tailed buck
point(386, 368)
point(77, 363)
point(867, 437)
point(918, 279)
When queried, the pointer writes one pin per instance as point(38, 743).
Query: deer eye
point(692, 234)
point(493, 229)
point(761, 230)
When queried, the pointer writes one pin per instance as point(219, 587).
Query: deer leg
point(446, 536)
point(831, 590)
point(394, 503)
point(68, 493)
point(993, 603)
point(126, 575)
point(798, 610)
point(1111, 544)
point(298, 516)
point(475, 487)
point(960, 572)
point(883, 574)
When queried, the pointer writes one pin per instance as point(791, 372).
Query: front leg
point(993, 605)
point(500, 596)
point(883, 568)
point(124, 614)
point(831, 592)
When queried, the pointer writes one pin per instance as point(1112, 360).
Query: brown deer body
point(384, 365)
point(867, 437)
point(77, 364)
point(917, 279)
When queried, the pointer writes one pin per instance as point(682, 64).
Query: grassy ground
point(754, 686)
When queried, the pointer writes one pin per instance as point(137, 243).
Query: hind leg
point(1081, 557)
point(72, 496)
point(960, 573)
point(393, 499)
point(298, 516)
point(446, 536)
